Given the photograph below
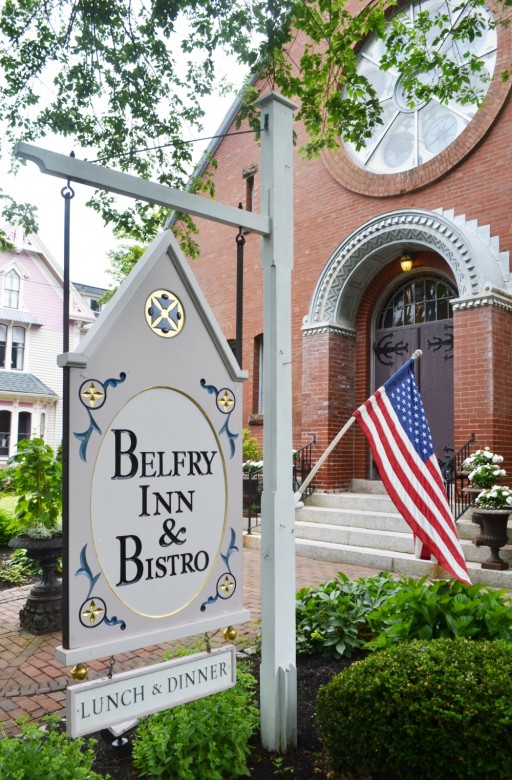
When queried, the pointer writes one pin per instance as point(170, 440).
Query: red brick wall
point(331, 372)
point(328, 401)
point(482, 380)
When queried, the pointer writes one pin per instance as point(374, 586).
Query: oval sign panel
point(158, 502)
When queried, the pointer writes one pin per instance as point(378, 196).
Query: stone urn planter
point(42, 612)
point(493, 534)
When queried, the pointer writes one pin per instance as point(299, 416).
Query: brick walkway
point(33, 683)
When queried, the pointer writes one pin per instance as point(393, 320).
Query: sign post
point(278, 682)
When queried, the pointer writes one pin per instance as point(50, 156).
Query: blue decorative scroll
point(93, 398)
point(226, 402)
point(93, 611)
point(226, 584)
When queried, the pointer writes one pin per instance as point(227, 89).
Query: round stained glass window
point(412, 134)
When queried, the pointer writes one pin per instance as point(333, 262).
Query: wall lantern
point(405, 263)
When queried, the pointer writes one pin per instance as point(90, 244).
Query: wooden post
point(278, 679)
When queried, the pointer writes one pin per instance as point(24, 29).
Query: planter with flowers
point(35, 474)
point(493, 503)
point(483, 471)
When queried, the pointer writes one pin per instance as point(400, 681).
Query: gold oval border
point(226, 495)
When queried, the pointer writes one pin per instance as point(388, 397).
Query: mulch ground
point(306, 762)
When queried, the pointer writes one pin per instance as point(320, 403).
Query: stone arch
point(470, 251)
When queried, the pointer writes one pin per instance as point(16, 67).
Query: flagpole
point(320, 462)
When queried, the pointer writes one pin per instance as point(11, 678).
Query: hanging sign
point(154, 547)
point(100, 704)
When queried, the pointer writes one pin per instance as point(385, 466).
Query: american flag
point(394, 422)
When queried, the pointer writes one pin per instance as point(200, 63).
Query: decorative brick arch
point(470, 251)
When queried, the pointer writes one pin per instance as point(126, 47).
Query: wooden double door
point(418, 316)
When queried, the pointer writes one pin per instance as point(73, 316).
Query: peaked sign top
point(154, 538)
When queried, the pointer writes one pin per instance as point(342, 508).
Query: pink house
point(31, 303)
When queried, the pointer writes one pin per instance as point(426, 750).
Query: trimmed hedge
point(435, 710)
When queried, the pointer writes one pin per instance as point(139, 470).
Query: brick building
point(434, 187)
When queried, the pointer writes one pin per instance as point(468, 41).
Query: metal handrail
point(302, 465)
point(455, 480)
point(253, 482)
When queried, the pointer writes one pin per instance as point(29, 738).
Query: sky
point(90, 240)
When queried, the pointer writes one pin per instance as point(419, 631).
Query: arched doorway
point(353, 287)
point(417, 315)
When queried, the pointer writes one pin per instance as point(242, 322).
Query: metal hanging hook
point(68, 192)
point(240, 238)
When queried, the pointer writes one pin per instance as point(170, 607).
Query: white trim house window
point(18, 347)
point(12, 286)
point(12, 342)
point(3, 344)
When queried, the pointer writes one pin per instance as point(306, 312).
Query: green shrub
point(47, 754)
point(446, 608)
point(207, 738)
point(331, 619)
point(9, 527)
point(251, 448)
point(437, 710)
point(35, 474)
point(18, 567)
point(341, 616)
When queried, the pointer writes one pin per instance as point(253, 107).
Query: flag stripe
point(398, 435)
point(419, 515)
point(431, 491)
point(418, 506)
point(381, 404)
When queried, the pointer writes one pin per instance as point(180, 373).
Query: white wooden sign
point(99, 704)
point(154, 548)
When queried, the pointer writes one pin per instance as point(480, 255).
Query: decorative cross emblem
point(164, 314)
point(225, 400)
point(92, 612)
point(226, 586)
point(92, 394)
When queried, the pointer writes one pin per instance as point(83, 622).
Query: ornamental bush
point(206, 738)
point(9, 527)
point(445, 608)
point(343, 616)
point(438, 710)
point(332, 618)
point(47, 753)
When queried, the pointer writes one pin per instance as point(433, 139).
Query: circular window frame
point(356, 179)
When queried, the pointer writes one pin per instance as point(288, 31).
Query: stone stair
point(362, 527)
